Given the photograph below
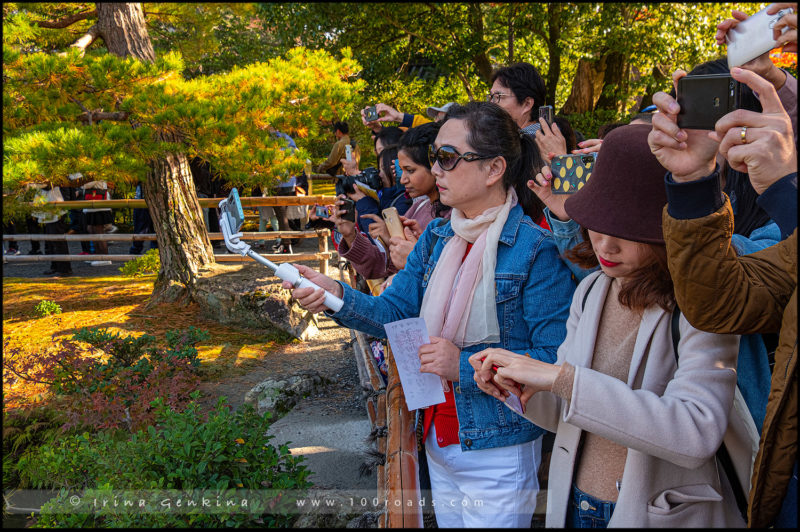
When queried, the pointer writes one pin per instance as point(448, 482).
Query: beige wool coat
point(671, 420)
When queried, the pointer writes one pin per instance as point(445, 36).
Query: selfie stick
point(285, 272)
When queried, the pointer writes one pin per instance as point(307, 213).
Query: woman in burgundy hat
point(636, 431)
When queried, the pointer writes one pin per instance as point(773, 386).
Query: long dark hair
point(415, 143)
point(385, 161)
point(492, 131)
point(747, 215)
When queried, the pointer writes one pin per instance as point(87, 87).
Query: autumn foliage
point(111, 382)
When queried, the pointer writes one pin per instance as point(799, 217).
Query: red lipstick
point(606, 263)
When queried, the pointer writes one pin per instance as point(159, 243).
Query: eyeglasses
point(448, 157)
point(495, 97)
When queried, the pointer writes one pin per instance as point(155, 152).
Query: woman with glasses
point(520, 90)
point(488, 277)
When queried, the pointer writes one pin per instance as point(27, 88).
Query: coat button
point(584, 505)
point(468, 442)
point(458, 389)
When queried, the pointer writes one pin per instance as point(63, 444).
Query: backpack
point(737, 477)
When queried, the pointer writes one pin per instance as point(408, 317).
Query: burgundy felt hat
point(625, 194)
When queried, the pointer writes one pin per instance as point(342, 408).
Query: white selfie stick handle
point(287, 272)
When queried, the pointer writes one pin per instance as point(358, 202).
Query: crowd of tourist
point(646, 319)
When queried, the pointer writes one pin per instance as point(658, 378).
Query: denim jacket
point(752, 368)
point(534, 292)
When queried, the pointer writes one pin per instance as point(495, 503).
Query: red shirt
point(542, 222)
point(444, 416)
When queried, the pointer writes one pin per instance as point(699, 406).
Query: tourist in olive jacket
point(722, 293)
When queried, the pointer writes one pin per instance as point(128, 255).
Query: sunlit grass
point(118, 304)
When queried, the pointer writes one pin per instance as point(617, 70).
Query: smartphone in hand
point(570, 172)
point(753, 36)
point(371, 114)
point(393, 223)
point(323, 211)
point(704, 99)
point(350, 210)
point(546, 112)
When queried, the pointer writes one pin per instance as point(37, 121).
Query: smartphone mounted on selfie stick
point(230, 222)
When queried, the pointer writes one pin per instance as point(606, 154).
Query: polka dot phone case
point(570, 172)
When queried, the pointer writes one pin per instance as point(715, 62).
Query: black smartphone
point(371, 114)
point(350, 210)
point(546, 112)
point(704, 99)
point(570, 172)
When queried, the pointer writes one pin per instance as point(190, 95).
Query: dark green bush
point(222, 452)
point(25, 429)
point(589, 122)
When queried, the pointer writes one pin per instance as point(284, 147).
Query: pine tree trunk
point(178, 220)
point(169, 190)
point(586, 87)
point(123, 30)
point(615, 82)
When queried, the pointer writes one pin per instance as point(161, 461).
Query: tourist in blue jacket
point(488, 277)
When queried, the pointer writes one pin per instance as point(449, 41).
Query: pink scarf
point(459, 303)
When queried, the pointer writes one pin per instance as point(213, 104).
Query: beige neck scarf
point(459, 303)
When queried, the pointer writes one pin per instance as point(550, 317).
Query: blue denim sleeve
point(780, 202)
point(763, 237)
point(546, 298)
point(567, 235)
point(403, 298)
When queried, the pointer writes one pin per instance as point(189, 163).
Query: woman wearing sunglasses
point(488, 277)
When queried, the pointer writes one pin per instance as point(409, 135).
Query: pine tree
point(122, 114)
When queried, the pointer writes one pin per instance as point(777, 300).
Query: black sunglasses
point(448, 157)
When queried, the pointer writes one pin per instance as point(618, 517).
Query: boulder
point(280, 396)
point(248, 295)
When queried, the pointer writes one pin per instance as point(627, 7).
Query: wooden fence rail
point(322, 255)
point(271, 201)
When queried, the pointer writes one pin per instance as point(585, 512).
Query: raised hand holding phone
point(760, 144)
point(689, 154)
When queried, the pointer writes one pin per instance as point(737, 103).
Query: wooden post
point(402, 461)
point(323, 248)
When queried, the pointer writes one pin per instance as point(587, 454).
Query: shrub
point(589, 122)
point(215, 453)
point(148, 263)
point(45, 308)
point(113, 391)
point(25, 429)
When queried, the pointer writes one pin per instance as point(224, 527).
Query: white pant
point(486, 488)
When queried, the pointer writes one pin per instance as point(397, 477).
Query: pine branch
point(99, 114)
point(86, 39)
point(66, 21)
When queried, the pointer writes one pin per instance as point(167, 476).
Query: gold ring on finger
point(744, 135)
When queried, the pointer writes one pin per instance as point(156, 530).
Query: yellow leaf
point(239, 440)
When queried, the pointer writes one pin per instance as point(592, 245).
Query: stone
point(340, 512)
point(280, 396)
point(248, 295)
